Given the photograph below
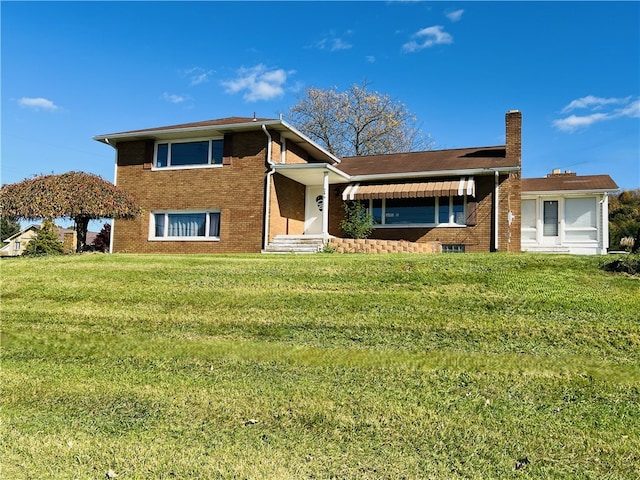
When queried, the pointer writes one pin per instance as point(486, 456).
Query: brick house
point(238, 185)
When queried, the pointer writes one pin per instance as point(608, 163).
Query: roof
point(452, 161)
point(569, 182)
point(206, 123)
point(221, 126)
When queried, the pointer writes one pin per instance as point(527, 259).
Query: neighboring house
point(17, 243)
point(242, 184)
point(566, 213)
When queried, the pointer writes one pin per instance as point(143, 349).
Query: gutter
point(431, 173)
point(267, 200)
point(496, 195)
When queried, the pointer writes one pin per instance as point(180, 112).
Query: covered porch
point(300, 201)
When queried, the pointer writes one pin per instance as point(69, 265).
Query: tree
point(358, 121)
point(8, 227)
point(624, 218)
point(46, 241)
point(103, 239)
point(79, 196)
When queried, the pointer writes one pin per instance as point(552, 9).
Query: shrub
point(358, 223)
point(628, 264)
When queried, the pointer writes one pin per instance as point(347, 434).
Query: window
point(456, 248)
point(187, 154)
point(429, 211)
point(186, 226)
point(580, 219)
point(528, 217)
point(17, 245)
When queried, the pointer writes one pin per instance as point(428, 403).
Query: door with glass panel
point(550, 222)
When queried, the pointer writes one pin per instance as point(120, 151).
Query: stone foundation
point(350, 245)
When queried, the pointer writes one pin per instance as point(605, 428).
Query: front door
point(313, 210)
point(550, 222)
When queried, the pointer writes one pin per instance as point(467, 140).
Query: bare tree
point(358, 121)
point(79, 196)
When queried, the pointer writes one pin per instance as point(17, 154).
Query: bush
point(358, 223)
point(628, 264)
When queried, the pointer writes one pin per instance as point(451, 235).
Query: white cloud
point(434, 36)
point(333, 43)
point(370, 58)
point(454, 16)
point(37, 103)
point(197, 75)
point(593, 102)
point(172, 98)
point(599, 110)
point(258, 83)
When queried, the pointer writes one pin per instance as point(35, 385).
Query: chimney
point(513, 120)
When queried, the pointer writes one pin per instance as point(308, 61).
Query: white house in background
point(16, 243)
point(566, 213)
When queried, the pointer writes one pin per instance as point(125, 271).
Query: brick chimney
point(513, 121)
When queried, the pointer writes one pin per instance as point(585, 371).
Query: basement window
point(456, 248)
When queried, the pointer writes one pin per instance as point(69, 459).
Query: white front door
point(313, 210)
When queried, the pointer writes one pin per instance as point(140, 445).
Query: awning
point(444, 188)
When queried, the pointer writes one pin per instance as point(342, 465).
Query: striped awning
point(444, 188)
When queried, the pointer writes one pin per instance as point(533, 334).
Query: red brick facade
point(236, 189)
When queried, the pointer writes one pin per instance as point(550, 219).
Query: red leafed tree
point(79, 196)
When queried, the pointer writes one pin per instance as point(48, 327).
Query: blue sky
point(72, 70)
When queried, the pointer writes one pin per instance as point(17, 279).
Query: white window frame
point(166, 238)
point(169, 143)
point(450, 223)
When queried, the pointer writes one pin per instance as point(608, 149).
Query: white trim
point(433, 173)
point(170, 143)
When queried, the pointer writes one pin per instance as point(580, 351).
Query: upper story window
point(189, 154)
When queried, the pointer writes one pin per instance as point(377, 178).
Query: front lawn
point(319, 366)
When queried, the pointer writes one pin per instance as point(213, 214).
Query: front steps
point(295, 244)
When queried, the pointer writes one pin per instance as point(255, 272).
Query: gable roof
point(569, 182)
point(434, 162)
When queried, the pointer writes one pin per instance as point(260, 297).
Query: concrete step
point(294, 244)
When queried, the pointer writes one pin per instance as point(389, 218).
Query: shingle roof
point(205, 123)
point(432, 160)
point(568, 182)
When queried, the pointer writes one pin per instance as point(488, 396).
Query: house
point(566, 213)
point(17, 243)
point(247, 184)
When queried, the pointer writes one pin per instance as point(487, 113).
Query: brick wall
point(287, 207)
point(476, 238)
point(236, 190)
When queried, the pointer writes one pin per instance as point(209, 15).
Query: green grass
point(323, 366)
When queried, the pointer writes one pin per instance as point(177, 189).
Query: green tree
point(358, 121)
point(357, 223)
point(45, 242)
point(624, 218)
point(76, 195)
point(8, 227)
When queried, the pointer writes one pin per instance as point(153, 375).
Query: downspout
point(267, 200)
point(115, 182)
point(496, 194)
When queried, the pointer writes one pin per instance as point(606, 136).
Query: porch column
point(325, 205)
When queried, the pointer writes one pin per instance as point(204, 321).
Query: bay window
point(185, 226)
point(188, 154)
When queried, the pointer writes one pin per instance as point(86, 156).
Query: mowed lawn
point(319, 366)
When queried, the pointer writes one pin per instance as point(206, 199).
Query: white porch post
point(325, 205)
